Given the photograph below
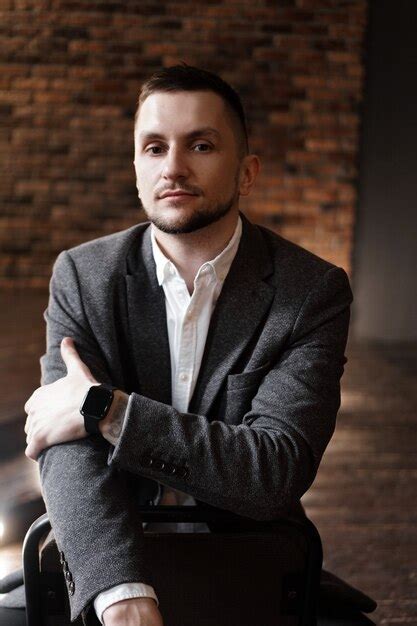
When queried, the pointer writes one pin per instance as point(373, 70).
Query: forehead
point(179, 113)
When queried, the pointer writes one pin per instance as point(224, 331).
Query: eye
point(202, 147)
point(154, 150)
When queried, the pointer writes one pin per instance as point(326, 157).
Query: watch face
point(97, 402)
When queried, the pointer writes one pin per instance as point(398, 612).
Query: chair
point(262, 573)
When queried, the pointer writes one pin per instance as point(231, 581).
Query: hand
point(54, 410)
point(133, 612)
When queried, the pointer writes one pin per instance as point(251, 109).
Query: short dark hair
point(185, 77)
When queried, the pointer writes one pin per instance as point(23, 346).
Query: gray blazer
point(262, 414)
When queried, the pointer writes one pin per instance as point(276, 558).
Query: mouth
point(176, 194)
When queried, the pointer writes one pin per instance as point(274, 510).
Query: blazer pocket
point(247, 379)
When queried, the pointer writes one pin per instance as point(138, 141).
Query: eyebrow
point(206, 130)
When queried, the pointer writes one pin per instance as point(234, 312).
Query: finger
point(36, 442)
point(72, 358)
point(32, 401)
point(28, 404)
point(70, 355)
point(32, 452)
point(29, 430)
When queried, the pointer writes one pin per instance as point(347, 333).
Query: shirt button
point(183, 377)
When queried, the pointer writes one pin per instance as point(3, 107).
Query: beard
point(190, 223)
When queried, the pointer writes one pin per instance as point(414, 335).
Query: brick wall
point(69, 79)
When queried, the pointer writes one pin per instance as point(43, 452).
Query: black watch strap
point(95, 406)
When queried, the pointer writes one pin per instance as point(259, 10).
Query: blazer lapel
point(147, 324)
point(242, 305)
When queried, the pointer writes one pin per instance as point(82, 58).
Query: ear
point(249, 169)
point(136, 176)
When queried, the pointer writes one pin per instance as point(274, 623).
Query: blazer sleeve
point(261, 466)
point(92, 516)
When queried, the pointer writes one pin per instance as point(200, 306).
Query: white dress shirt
point(188, 320)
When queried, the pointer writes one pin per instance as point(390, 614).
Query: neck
point(189, 251)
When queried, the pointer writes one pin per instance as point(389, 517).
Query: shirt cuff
point(124, 591)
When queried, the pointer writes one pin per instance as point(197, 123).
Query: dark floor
point(364, 500)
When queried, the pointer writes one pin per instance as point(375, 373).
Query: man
point(225, 344)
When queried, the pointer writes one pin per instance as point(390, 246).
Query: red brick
point(347, 58)
point(323, 145)
point(68, 146)
point(320, 195)
point(30, 83)
point(284, 119)
point(310, 81)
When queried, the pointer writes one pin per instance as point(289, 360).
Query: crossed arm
point(54, 410)
point(54, 418)
point(274, 451)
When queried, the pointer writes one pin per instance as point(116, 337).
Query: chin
point(181, 219)
point(177, 226)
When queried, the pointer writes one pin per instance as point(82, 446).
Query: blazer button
point(159, 465)
point(183, 472)
point(65, 566)
point(170, 469)
point(68, 576)
point(61, 558)
point(71, 588)
point(148, 461)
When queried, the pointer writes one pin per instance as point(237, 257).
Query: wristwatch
point(95, 406)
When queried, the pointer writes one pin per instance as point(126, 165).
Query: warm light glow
point(1, 529)
point(354, 400)
point(10, 559)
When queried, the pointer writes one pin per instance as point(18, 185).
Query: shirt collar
point(220, 264)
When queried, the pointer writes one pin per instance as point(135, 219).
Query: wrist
point(135, 608)
point(111, 426)
point(96, 405)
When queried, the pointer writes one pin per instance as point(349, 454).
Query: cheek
point(223, 181)
point(147, 177)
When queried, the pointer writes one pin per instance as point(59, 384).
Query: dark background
point(385, 242)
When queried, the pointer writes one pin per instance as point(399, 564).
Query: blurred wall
point(385, 254)
point(69, 80)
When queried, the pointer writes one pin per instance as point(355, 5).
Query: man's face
point(186, 160)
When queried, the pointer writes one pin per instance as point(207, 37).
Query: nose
point(175, 164)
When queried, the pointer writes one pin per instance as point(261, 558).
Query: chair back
point(264, 573)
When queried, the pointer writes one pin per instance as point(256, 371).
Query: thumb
point(72, 359)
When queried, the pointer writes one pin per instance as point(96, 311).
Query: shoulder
point(103, 256)
point(295, 272)
point(111, 248)
point(287, 252)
